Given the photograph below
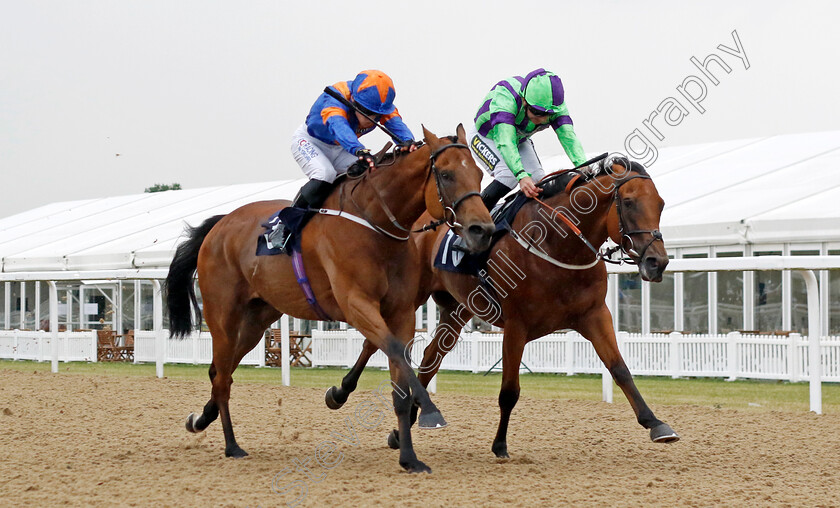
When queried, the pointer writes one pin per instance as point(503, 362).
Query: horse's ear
point(462, 134)
point(430, 138)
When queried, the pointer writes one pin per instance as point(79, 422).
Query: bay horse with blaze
point(546, 276)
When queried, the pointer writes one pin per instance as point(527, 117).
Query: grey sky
point(208, 93)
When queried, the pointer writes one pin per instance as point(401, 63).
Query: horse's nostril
point(480, 231)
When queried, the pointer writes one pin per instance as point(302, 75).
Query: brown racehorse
point(538, 296)
point(358, 275)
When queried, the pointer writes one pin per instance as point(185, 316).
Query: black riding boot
point(493, 193)
point(311, 195)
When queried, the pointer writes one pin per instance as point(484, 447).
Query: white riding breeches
point(319, 160)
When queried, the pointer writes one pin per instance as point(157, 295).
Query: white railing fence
point(197, 348)
point(37, 345)
point(732, 356)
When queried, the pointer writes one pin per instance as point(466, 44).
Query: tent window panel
point(730, 297)
point(799, 297)
point(696, 300)
point(630, 303)
point(662, 304)
point(834, 298)
point(3, 304)
point(768, 297)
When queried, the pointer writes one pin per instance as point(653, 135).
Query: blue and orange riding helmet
point(374, 91)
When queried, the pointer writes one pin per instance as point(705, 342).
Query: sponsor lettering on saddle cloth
point(451, 258)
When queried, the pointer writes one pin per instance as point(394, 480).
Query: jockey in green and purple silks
point(512, 112)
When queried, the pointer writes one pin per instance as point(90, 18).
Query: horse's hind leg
point(597, 327)
point(337, 396)
point(234, 332)
point(196, 423)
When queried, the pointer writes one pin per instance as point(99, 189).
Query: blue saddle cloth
point(454, 260)
point(291, 217)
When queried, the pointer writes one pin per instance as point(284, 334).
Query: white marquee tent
point(779, 189)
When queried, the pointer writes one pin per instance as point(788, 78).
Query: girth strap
point(303, 282)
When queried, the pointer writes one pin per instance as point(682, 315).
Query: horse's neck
point(590, 220)
point(400, 186)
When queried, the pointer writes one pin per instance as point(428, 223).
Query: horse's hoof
point(236, 453)
point(431, 421)
point(394, 440)
point(191, 423)
point(663, 433)
point(329, 398)
point(500, 450)
point(416, 466)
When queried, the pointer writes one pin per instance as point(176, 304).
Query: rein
point(441, 191)
point(606, 255)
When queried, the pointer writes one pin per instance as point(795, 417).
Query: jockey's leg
point(493, 193)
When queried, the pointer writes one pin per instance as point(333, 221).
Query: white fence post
point(431, 312)
point(732, 340)
point(16, 346)
point(475, 337)
point(674, 357)
point(94, 340)
point(348, 352)
point(195, 337)
point(54, 323)
point(569, 345)
point(264, 349)
point(284, 351)
point(160, 340)
point(793, 357)
point(814, 354)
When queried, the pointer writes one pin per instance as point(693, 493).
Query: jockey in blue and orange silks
point(327, 144)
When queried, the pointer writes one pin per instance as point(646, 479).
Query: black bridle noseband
point(623, 233)
point(441, 192)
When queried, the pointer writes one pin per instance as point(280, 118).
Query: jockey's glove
point(365, 156)
point(408, 145)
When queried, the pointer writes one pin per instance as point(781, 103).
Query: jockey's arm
point(565, 130)
point(395, 124)
point(504, 135)
point(336, 120)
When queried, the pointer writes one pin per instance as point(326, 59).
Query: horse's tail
point(178, 287)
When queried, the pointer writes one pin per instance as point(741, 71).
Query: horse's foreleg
point(512, 349)
point(597, 328)
point(365, 315)
point(446, 335)
point(337, 396)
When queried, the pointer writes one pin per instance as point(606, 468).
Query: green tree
point(160, 187)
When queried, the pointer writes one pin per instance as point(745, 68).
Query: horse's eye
point(627, 203)
point(447, 175)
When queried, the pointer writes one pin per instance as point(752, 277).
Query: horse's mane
point(391, 156)
point(555, 184)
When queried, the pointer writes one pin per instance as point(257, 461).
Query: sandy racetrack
point(105, 440)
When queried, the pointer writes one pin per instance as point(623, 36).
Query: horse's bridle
point(606, 255)
point(441, 191)
point(655, 234)
point(452, 207)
